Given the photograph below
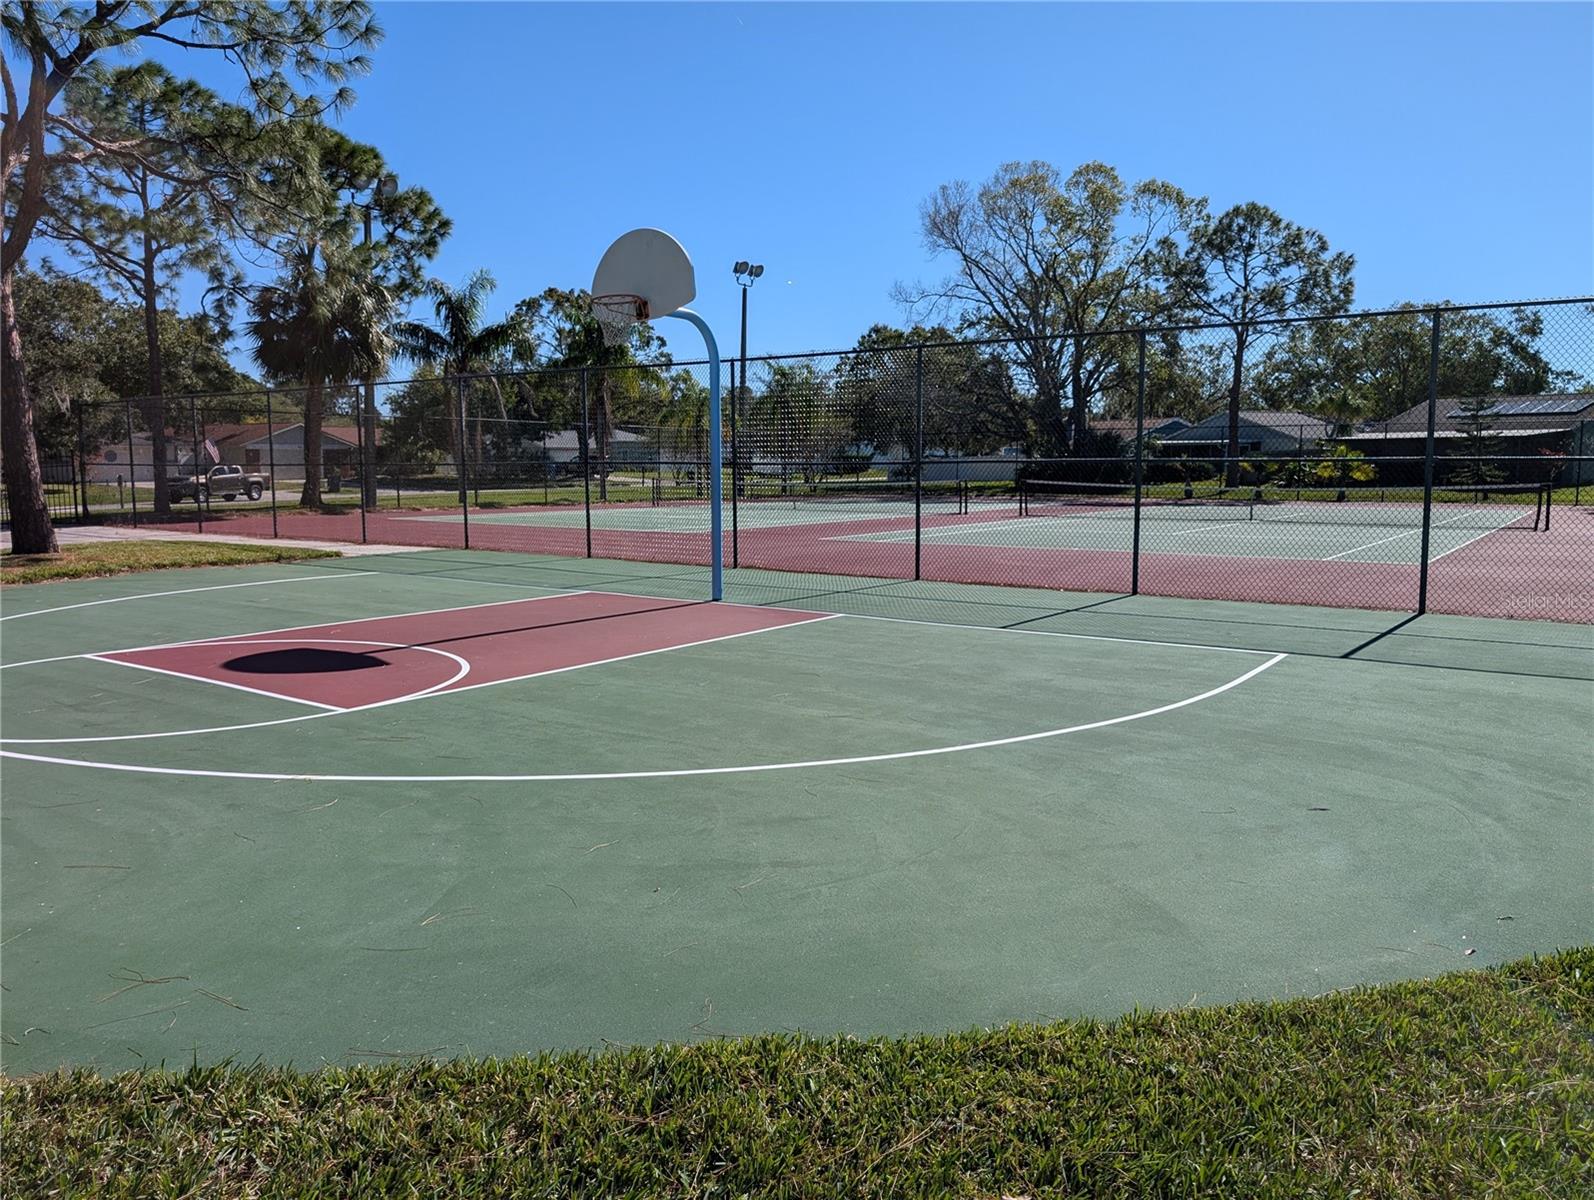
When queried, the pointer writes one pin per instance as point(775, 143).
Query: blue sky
point(1447, 146)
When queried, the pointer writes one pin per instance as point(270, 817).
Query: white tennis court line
point(430, 693)
point(1433, 558)
point(1405, 533)
point(219, 587)
point(1080, 637)
point(677, 773)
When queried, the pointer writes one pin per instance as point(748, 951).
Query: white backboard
point(647, 263)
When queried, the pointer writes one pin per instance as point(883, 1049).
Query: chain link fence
point(1417, 460)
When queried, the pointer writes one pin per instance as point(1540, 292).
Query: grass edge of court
point(1469, 1080)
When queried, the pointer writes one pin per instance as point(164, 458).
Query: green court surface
point(941, 806)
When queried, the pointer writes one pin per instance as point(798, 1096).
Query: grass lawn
point(119, 558)
point(1473, 1084)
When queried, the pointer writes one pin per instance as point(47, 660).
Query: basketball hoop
point(617, 313)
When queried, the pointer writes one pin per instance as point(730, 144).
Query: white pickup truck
point(225, 480)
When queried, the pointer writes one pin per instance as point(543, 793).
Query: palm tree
point(459, 344)
point(320, 325)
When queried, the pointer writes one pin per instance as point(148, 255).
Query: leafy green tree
point(86, 351)
point(460, 343)
point(1054, 263)
point(285, 52)
point(150, 205)
point(326, 315)
point(563, 332)
point(1341, 466)
point(1480, 448)
point(971, 405)
point(1370, 368)
point(1249, 266)
point(322, 323)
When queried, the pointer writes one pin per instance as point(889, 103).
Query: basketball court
point(463, 802)
point(456, 802)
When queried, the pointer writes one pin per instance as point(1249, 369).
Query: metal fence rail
point(1435, 460)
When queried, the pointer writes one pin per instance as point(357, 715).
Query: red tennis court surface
point(380, 660)
point(1542, 576)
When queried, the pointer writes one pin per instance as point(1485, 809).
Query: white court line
point(1433, 558)
point(462, 664)
point(219, 587)
point(223, 637)
point(1403, 534)
point(425, 694)
point(238, 687)
point(663, 774)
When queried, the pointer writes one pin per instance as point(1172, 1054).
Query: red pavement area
point(1543, 576)
point(356, 663)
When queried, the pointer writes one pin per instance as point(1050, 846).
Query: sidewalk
point(77, 535)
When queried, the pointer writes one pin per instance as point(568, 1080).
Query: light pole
point(745, 273)
point(384, 188)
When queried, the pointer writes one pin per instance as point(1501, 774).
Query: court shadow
point(302, 660)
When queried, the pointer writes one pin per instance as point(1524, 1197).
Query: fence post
point(918, 458)
point(736, 477)
point(82, 462)
point(464, 454)
point(132, 462)
point(1427, 463)
point(1577, 469)
point(199, 506)
point(367, 459)
point(586, 464)
point(1140, 456)
point(271, 463)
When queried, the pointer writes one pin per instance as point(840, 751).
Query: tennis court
point(464, 802)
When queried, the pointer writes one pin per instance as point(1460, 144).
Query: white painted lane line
point(219, 587)
point(227, 637)
point(425, 694)
point(660, 774)
point(463, 667)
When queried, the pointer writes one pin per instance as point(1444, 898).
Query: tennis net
point(1481, 506)
point(894, 495)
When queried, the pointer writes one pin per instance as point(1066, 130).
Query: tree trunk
point(31, 531)
point(154, 407)
point(1231, 473)
point(310, 497)
point(1076, 382)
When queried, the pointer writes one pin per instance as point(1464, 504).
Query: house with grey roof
point(1531, 432)
point(1262, 432)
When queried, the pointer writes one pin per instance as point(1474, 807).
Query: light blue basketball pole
point(716, 553)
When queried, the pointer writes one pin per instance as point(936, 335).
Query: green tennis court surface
point(449, 802)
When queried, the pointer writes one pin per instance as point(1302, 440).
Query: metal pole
point(918, 459)
point(368, 440)
point(271, 463)
point(459, 467)
point(365, 462)
point(199, 507)
point(586, 463)
point(82, 462)
point(132, 463)
point(1427, 463)
point(716, 457)
point(1140, 457)
point(736, 404)
point(736, 550)
point(1577, 470)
